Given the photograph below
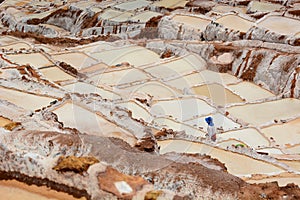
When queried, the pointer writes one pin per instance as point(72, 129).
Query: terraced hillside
point(108, 99)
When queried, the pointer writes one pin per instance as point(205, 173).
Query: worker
point(211, 130)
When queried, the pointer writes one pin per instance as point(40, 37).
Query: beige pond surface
point(262, 113)
point(134, 55)
point(250, 92)
point(153, 88)
point(75, 116)
point(235, 22)
point(55, 74)
point(24, 100)
point(294, 164)
point(226, 9)
point(170, 3)
point(174, 68)
point(257, 6)
point(132, 5)
point(16, 46)
point(249, 136)
point(294, 149)
point(110, 13)
point(144, 16)
point(4, 121)
point(181, 109)
point(85, 88)
point(220, 121)
point(199, 78)
point(138, 112)
point(95, 68)
point(279, 24)
point(77, 60)
point(34, 59)
point(14, 190)
point(237, 164)
point(217, 93)
point(176, 126)
point(119, 77)
point(7, 40)
point(287, 133)
point(195, 22)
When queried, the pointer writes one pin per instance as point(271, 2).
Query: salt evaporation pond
point(237, 164)
point(25, 100)
point(74, 116)
point(217, 93)
point(261, 113)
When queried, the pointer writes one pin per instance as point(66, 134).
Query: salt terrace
point(160, 69)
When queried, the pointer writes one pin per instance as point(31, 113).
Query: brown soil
point(249, 74)
point(68, 68)
point(74, 164)
point(108, 179)
point(43, 182)
point(167, 54)
point(63, 42)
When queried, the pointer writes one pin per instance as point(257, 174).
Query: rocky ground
point(101, 150)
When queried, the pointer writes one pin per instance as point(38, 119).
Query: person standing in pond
point(211, 130)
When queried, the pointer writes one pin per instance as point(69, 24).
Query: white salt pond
point(55, 74)
point(75, 116)
point(181, 109)
point(77, 60)
point(261, 113)
point(176, 126)
point(154, 88)
point(34, 59)
point(217, 93)
point(203, 77)
point(196, 22)
point(138, 112)
point(24, 100)
point(258, 6)
point(281, 25)
point(170, 3)
point(110, 13)
point(235, 22)
point(132, 5)
point(248, 136)
point(220, 121)
point(287, 133)
point(237, 164)
point(119, 77)
point(85, 88)
point(134, 55)
point(144, 16)
point(250, 92)
point(175, 68)
point(123, 17)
